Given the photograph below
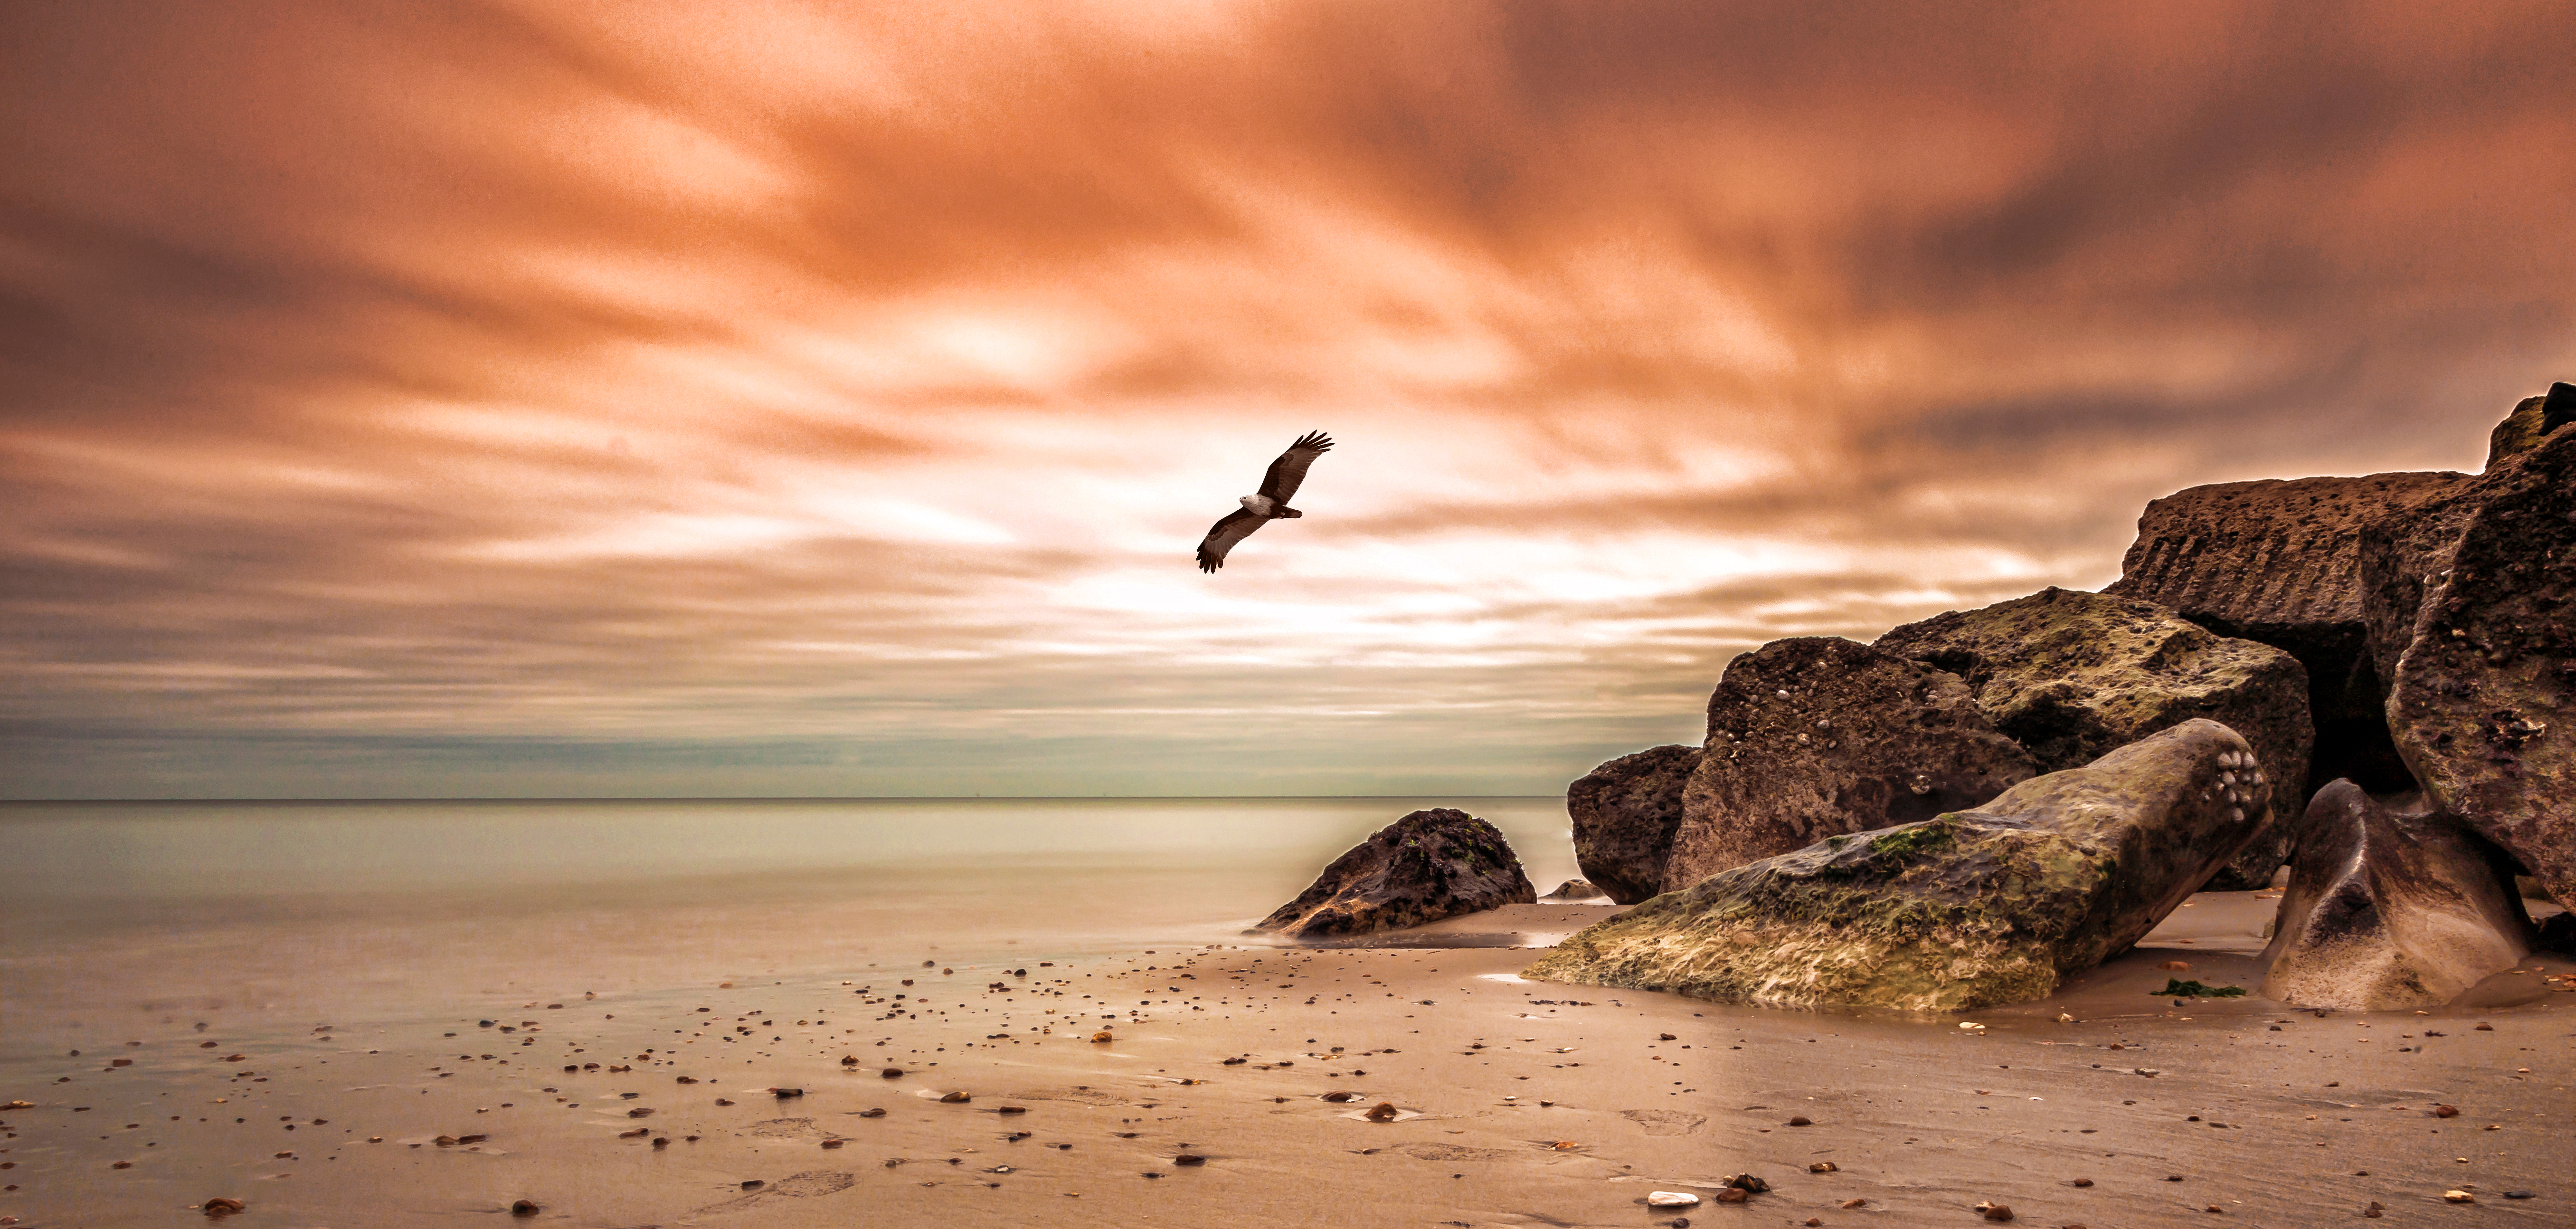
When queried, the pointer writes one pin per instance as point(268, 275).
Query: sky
point(800, 399)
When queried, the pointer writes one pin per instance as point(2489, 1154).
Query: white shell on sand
point(1671, 1199)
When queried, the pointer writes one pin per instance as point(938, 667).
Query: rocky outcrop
point(1426, 866)
point(2520, 431)
point(2390, 907)
point(2278, 563)
point(2072, 675)
point(1820, 736)
point(1970, 909)
point(2471, 606)
point(1624, 813)
point(1574, 889)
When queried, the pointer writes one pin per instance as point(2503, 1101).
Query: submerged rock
point(1424, 867)
point(2072, 675)
point(1971, 909)
point(2390, 907)
point(2471, 605)
point(1624, 813)
point(1820, 736)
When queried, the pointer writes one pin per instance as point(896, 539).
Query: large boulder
point(1971, 909)
point(1426, 866)
point(2521, 430)
point(2471, 605)
point(1821, 736)
point(2279, 563)
point(1624, 813)
point(2390, 907)
point(2071, 675)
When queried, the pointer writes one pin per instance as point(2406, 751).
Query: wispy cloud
point(530, 397)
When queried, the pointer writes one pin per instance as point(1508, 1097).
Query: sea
point(286, 916)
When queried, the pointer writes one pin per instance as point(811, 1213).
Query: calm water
point(292, 913)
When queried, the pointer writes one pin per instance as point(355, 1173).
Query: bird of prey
point(1277, 488)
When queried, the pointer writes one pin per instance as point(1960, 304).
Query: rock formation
point(1574, 889)
point(2390, 907)
point(2471, 606)
point(1969, 909)
point(1624, 813)
point(2278, 563)
point(1820, 736)
point(2521, 430)
point(2072, 675)
point(1424, 867)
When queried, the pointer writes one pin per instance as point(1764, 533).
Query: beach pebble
point(1995, 1211)
point(955, 1098)
point(1732, 1195)
point(1102, 1037)
point(872, 1112)
point(2081, 1182)
point(525, 1207)
point(892, 1073)
point(1853, 1204)
point(832, 1143)
point(1383, 1111)
point(2458, 1197)
point(1341, 1096)
point(2446, 1111)
point(1189, 1158)
point(1823, 1167)
point(220, 1206)
point(1800, 1121)
point(1671, 1199)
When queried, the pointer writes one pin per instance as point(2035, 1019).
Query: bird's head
point(1258, 505)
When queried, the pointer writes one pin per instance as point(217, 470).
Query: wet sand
point(1521, 1102)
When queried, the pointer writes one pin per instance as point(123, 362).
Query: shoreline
point(1521, 1102)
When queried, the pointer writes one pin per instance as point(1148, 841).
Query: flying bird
point(1277, 488)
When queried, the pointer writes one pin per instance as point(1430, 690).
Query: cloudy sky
point(565, 398)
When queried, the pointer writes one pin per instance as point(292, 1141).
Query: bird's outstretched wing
point(1286, 473)
point(1234, 527)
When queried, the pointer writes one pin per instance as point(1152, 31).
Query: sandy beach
point(1516, 1102)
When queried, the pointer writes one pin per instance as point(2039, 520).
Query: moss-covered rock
point(1820, 736)
point(1429, 865)
point(2071, 675)
point(1965, 910)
